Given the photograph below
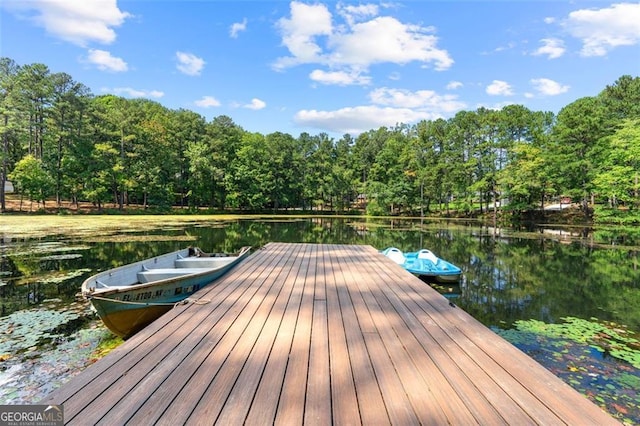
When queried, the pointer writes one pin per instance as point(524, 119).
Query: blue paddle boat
point(425, 264)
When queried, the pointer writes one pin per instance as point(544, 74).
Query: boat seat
point(151, 275)
point(201, 262)
point(396, 255)
point(427, 255)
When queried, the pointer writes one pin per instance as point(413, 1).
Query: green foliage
point(604, 214)
point(30, 177)
point(619, 172)
point(375, 209)
point(108, 149)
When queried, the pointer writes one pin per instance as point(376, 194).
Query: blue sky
point(327, 66)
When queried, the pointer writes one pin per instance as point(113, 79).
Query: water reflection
point(508, 274)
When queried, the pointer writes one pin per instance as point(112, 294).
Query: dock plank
point(292, 396)
point(320, 334)
point(370, 400)
point(221, 357)
point(343, 392)
point(234, 409)
point(318, 395)
point(438, 402)
point(265, 402)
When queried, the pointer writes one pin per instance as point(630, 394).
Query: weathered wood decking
point(320, 334)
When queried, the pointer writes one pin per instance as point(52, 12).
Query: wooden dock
point(320, 334)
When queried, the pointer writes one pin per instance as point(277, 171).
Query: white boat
point(130, 297)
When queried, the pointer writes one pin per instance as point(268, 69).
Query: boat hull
point(128, 308)
point(126, 323)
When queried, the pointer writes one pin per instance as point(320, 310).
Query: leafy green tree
point(575, 149)
point(464, 131)
point(186, 129)
point(622, 98)
point(37, 89)
point(102, 174)
point(153, 163)
point(251, 181)
point(365, 151)
point(9, 113)
point(489, 156)
point(224, 138)
point(118, 116)
point(285, 171)
point(209, 157)
point(343, 181)
point(618, 176)
point(319, 153)
point(524, 179)
point(430, 151)
point(66, 118)
point(30, 177)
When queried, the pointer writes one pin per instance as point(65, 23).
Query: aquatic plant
point(30, 376)
point(600, 359)
point(26, 329)
point(108, 342)
point(50, 277)
point(606, 337)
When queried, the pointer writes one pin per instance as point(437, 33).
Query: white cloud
point(104, 61)
point(77, 21)
point(256, 104)
point(311, 37)
point(385, 39)
point(340, 78)
point(601, 30)
point(552, 47)
point(189, 64)
point(300, 31)
point(421, 99)
point(388, 107)
point(499, 88)
point(207, 102)
point(353, 13)
point(355, 120)
point(453, 85)
point(549, 20)
point(547, 87)
point(237, 27)
point(134, 93)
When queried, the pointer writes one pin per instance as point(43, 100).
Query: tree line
point(61, 142)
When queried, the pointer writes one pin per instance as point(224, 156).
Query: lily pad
point(600, 359)
point(23, 330)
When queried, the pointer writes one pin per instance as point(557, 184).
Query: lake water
point(568, 297)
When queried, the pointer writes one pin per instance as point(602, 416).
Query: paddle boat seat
point(428, 255)
point(396, 255)
point(158, 274)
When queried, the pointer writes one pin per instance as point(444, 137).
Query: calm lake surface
point(568, 297)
